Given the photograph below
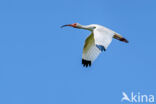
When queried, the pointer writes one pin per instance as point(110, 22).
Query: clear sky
point(40, 63)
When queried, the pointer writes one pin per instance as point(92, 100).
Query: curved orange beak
point(72, 25)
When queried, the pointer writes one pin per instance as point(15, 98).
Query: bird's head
point(78, 26)
point(75, 25)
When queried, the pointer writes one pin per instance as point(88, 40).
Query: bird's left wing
point(90, 51)
point(103, 37)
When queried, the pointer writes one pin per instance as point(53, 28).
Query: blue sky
point(41, 63)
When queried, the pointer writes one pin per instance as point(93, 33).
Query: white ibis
point(96, 42)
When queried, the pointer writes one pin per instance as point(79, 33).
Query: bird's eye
point(75, 24)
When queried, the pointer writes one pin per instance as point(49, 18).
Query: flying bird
point(97, 42)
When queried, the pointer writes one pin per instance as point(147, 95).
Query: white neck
point(87, 27)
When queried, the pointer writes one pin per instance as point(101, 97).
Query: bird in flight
point(97, 42)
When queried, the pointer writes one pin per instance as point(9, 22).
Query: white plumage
point(96, 42)
point(90, 51)
point(103, 36)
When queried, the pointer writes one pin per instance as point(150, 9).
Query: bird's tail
point(119, 37)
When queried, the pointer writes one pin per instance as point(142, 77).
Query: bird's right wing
point(90, 51)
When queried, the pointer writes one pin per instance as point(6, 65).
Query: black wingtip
point(124, 40)
point(86, 63)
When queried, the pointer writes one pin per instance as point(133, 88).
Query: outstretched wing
point(90, 51)
point(103, 37)
point(120, 38)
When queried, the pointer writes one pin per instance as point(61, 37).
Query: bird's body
point(96, 42)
